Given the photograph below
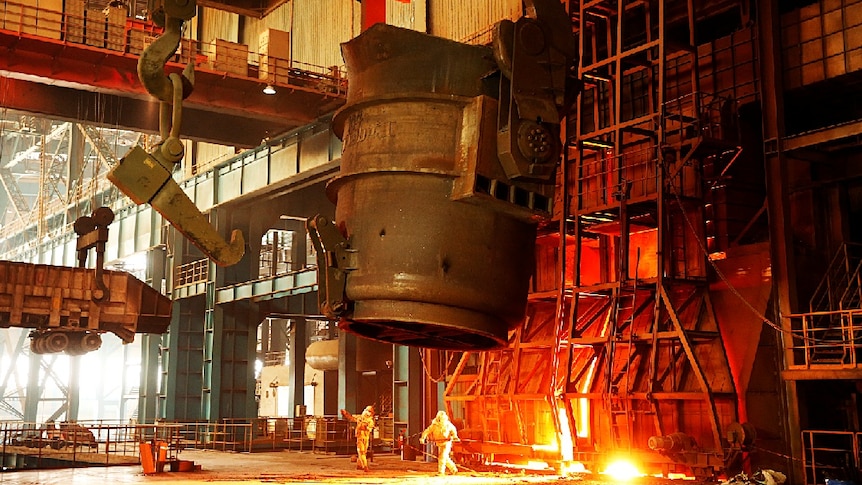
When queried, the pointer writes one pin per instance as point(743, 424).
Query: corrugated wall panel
point(319, 27)
point(223, 26)
point(469, 21)
point(278, 19)
point(70, 253)
point(216, 24)
point(407, 14)
point(144, 237)
point(210, 155)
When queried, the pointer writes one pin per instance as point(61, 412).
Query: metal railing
point(831, 455)
point(827, 339)
point(323, 434)
point(191, 273)
point(131, 36)
point(102, 443)
point(700, 114)
point(603, 177)
point(841, 283)
point(74, 444)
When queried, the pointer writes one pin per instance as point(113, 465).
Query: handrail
point(826, 339)
point(130, 36)
point(829, 454)
point(192, 273)
point(847, 256)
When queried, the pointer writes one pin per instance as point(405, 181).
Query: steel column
point(73, 395)
point(148, 392)
point(182, 362)
point(296, 350)
point(348, 378)
point(230, 339)
point(407, 391)
point(34, 389)
point(778, 206)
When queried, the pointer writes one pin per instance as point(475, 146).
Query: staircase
point(841, 287)
point(831, 326)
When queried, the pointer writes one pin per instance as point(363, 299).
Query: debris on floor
point(761, 477)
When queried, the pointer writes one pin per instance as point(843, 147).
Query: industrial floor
point(280, 467)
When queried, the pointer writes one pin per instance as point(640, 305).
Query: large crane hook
point(146, 177)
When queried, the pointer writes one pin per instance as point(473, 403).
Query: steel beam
point(135, 114)
point(296, 371)
point(44, 61)
point(825, 135)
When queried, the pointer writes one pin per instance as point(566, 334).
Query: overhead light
point(269, 89)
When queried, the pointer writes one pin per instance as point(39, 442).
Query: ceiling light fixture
point(269, 89)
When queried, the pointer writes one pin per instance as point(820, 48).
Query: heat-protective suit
point(364, 425)
point(442, 432)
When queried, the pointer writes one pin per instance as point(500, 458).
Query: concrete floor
point(280, 467)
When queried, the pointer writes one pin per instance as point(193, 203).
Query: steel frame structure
point(636, 355)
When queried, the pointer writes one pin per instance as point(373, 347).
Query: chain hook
point(171, 89)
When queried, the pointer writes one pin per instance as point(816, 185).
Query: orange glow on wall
point(646, 261)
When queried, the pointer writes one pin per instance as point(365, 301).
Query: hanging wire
point(428, 371)
point(2, 143)
point(732, 288)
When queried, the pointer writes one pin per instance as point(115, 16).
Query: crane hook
point(151, 65)
point(146, 177)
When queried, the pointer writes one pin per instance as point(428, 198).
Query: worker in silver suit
point(442, 432)
point(364, 425)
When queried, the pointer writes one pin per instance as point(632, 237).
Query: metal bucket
point(438, 263)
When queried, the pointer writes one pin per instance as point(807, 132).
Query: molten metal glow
point(567, 452)
point(584, 403)
point(572, 468)
point(679, 476)
point(536, 465)
point(551, 448)
point(622, 470)
point(530, 465)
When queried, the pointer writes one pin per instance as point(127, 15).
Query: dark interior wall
point(841, 397)
point(854, 211)
point(765, 404)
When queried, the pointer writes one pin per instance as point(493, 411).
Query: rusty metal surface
point(146, 180)
point(428, 269)
point(61, 298)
